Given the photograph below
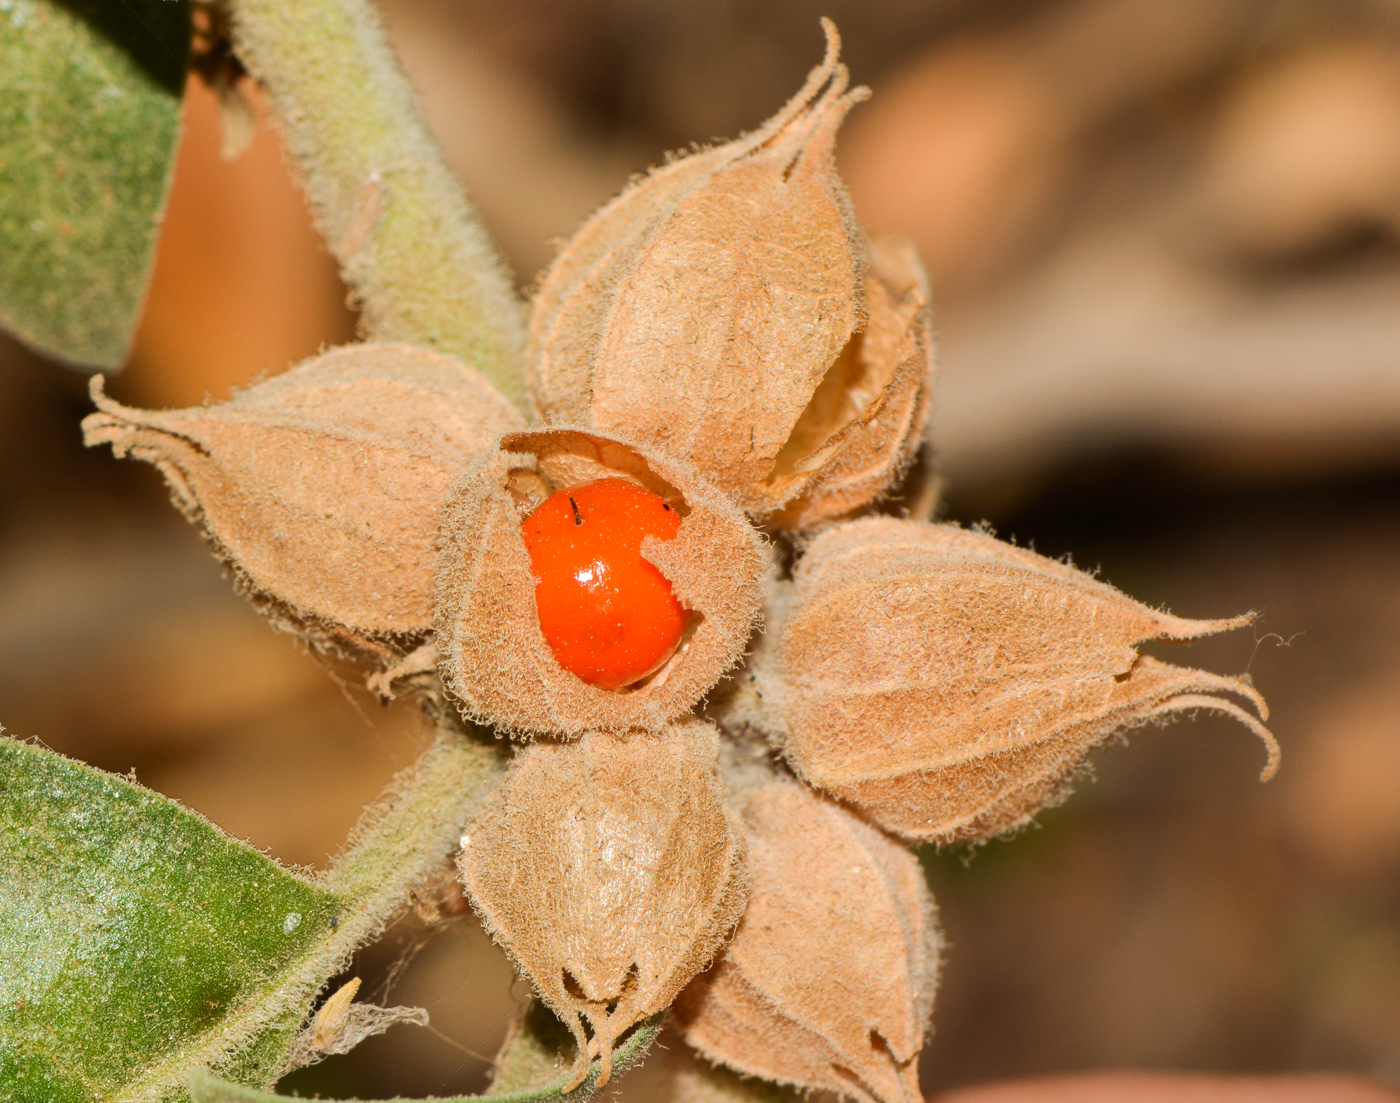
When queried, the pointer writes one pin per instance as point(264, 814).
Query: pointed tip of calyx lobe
point(659, 319)
point(811, 118)
point(950, 685)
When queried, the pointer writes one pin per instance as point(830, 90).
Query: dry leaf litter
point(689, 1078)
point(341, 1024)
point(723, 334)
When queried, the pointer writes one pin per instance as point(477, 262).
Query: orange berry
point(607, 613)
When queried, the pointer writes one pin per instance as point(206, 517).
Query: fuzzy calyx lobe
point(724, 310)
point(949, 685)
point(610, 871)
point(320, 487)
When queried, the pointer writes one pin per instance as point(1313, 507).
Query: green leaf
point(138, 943)
point(538, 1050)
point(131, 926)
point(90, 94)
point(210, 1089)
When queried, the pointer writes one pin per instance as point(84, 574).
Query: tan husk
point(689, 1078)
point(610, 871)
point(494, 656)
point(828, 982)
point(676, 205)
point(867, 419)
point(715, 309)
point(949, 685)
point(321, 487)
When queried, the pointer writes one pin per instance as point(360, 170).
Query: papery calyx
point(722, 308)
point(611, 872)
point(829, 980)
point(949, 685)
point(320, 487)
point(492, 652)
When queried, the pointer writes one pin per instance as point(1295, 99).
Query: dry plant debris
point(341, 1024)
point(722, 335)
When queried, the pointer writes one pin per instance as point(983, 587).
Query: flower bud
point(949, 685)
point(718, 309)
point(493, 654)
point(828, 982)
point(320, 487)
point(610, 872)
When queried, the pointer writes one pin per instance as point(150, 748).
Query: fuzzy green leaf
point(90, 94)
point(138, 943)
point(209, 1089)
point(132, 929)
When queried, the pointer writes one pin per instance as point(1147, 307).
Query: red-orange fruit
point(609, 615)
point(493, 654)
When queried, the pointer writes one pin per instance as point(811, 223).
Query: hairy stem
point(406, 835)
point(417, 822)
point(408, 242)
point(205, 1088)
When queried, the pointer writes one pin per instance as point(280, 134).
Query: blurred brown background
point(1165, 244)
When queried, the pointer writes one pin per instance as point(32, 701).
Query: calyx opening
point(550, 461)
point(556, 459)
point(851, 392)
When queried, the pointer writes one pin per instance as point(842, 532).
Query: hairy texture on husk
point(872, 407)
point(828, 982)
point(716, 308)
point(493, 654)
point(949, 685)
point(689, 1078)
point(610, 871)
point(320, 487)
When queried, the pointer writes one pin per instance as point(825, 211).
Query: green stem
point(404, 837)
point(401, 840)
point(205, 1088)
point(408, 242)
